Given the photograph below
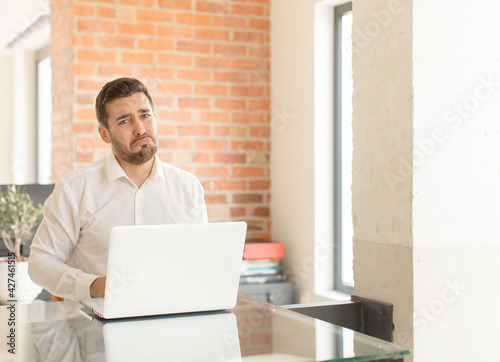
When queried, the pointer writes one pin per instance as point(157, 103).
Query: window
point(43, 117)
point(343, 230)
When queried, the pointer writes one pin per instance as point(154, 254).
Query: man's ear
point(104, 133)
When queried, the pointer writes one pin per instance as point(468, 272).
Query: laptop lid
point(179, 268)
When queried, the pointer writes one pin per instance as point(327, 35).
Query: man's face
point(132, 129)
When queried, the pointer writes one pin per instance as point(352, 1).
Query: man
point(131, 186)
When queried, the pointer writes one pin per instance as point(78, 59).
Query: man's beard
point(146, 152)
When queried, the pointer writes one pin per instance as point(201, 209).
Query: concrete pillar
point(382, 135)
point(426, 181)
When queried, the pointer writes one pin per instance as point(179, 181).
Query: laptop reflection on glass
point(170, 269)
point(206, 336)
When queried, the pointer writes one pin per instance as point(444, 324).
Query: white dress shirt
point(86, 204)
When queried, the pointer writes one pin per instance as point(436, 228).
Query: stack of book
point(261, 262)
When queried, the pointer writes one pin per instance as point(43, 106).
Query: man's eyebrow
point(123, 116)
point(126, 115)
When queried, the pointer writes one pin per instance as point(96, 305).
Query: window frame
point(339, 284)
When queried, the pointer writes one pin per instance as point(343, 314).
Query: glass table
point(253, 331)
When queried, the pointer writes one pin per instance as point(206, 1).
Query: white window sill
point(334, 295)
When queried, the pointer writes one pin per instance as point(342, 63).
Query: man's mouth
point(143, 141)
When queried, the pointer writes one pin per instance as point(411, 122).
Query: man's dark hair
point(118, 88)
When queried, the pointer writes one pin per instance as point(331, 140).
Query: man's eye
point(146, 116)
point(123, 121)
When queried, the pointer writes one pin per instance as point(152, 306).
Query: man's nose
point(138, 127)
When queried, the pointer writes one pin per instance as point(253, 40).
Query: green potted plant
point(18, 217)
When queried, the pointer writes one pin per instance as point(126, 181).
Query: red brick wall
point(206, 64)
point(62, 88)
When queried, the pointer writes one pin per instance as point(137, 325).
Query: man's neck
point(137, 173)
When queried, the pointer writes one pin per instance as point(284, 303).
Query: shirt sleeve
point(54, 240)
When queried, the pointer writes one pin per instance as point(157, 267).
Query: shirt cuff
point(83, 284)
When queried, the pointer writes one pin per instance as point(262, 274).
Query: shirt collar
point(113, 168)
point(157, 170)
point(115, 171)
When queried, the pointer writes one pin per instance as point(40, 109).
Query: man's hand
point(97, 288)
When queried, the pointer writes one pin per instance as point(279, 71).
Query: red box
point(263, 250)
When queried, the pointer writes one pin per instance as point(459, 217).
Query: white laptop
point(167, 269)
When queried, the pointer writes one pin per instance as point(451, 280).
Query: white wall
point(17, 91)
point(301, 101)
point(24, 135)
point(6, 105)
point(456, 180)
point(292, 180)
point(18, 104)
